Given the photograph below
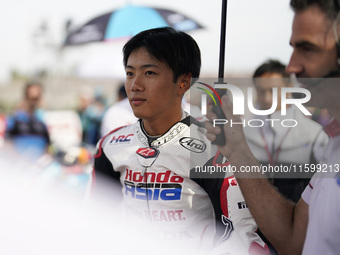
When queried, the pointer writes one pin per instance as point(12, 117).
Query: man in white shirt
point(311, 226)
point(278, 145)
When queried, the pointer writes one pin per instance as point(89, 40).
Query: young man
point(311, 226)
point(153, 158)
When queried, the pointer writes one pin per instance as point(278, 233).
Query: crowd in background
point(61, 147)
point(28, 132)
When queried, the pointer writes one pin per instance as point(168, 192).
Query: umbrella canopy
point(128, 21)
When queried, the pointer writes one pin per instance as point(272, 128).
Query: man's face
point(314, 52)
point(33, 96)
point(264, 85)
point(149, 86)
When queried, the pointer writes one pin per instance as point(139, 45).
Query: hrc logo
point(121, 139)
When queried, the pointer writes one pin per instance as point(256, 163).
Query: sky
point(256, 31)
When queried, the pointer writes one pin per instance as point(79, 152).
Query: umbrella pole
point(222, 40)
point(220, 138)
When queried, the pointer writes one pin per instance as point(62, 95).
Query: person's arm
point(105, 181)
point(282, 222)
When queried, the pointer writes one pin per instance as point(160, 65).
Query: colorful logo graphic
point(148, 152)
point(209, 93)
point(121, 139)
point(159, 185)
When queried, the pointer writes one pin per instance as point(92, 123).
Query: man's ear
point(184, 82)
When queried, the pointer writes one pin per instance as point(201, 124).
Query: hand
point(236, 144)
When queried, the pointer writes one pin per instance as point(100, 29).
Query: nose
point(294, 65)
point(136, 83)
point(268, 99)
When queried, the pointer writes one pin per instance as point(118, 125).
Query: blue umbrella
point(128, 21)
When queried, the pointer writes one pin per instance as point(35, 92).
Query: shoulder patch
point(100, 143)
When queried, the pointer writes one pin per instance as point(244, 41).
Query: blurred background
point(33, 34)
point(73, 50)
point(59, 45)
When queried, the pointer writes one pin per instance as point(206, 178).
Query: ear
point(183, 83)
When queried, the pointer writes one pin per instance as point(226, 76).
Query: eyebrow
point(303, 43)
point(143, 66)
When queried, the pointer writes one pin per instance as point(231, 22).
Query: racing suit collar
point(153, 141)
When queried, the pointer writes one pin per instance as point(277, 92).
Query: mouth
point(299, 82)
point(306, 82)
point(136, 101)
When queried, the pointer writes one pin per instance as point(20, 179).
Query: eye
point(150, 73)
point(306, 48)
point(129, 74)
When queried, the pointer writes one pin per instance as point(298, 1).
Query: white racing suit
point(204, 209)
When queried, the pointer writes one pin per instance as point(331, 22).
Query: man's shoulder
point(315, 130)
point(312, 125)
point(120, 132)
point(112, 141)
point(196, 127)
point(123, 129)
point(19, 115)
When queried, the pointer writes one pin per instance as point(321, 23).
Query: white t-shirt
point(323, 197)
point(118, 115)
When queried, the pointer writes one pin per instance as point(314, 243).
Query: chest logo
point(147, 152)
point(193, 144)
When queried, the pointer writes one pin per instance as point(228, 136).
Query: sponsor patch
point(121, 139)
point(193, 144)
point(242, 205)
point(165, 186)
point(147, 152)
point(147, 156)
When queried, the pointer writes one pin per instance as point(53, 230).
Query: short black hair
point(271, 66)
point(329, 7)
point(178, 49)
